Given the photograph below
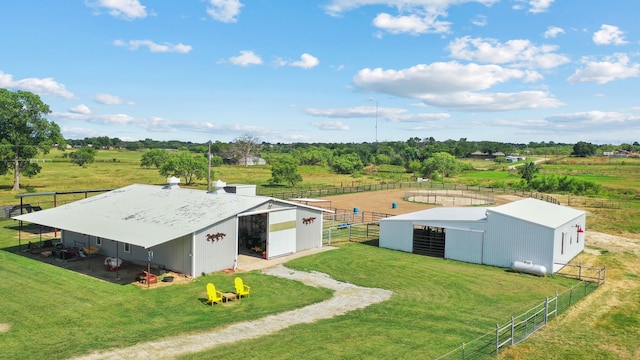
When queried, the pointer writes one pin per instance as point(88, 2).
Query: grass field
point(55, 314)
point(48, 312)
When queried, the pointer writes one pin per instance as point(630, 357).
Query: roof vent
point(173, 182)
point(218, 187)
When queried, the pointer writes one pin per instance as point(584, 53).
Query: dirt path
point(347, 297)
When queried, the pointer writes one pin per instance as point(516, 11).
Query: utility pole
point(209, 168)
point(376, 121)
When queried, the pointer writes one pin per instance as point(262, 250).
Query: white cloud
point(480, 20)
point(154, 47)
point(80, 109)
point(538, 6)
point(331, 125)
point(306, 61)
point(108, 99)
point(616, 67)
point(474, 101)
point(412, 24)
point(382, 113)
point(516, 52)
point(338, 7)
point(246, 58)
point(455, 86)
point(609, 34)
point(356, 112)
point(439, 77)
point(594, 120)
point(418, 118)
point(39, 86)
point(226, 11)
point(126, 9)
point(553, 31)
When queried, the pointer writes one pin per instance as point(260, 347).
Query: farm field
point(428, 315)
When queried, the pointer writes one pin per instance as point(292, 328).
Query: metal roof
point(531, 210)
point(443, 214)
point(538, 212)
point(146, 215)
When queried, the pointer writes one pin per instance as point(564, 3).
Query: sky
point(329, 71)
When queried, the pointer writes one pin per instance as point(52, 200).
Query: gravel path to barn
point(347, 297)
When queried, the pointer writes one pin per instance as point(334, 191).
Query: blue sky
point(330, 70)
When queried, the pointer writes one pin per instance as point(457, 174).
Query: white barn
point(528, 230)
point(187, 231)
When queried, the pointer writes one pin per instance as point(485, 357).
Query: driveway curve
point(347, 297)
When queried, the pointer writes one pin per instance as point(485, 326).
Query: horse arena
point(449, 197)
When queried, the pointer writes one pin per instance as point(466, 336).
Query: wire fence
point(520, 327)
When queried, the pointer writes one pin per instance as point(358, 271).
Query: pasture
point(46, 311)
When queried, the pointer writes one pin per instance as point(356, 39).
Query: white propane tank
point(528, 267)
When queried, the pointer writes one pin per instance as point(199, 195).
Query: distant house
point(188, 231)
point(479, 154)
point(514, 158)
point(249, 161)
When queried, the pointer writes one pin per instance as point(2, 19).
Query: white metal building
point(188, 231)
point(528, 230)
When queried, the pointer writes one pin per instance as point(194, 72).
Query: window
point(99, 241)
point(562, 245)
point(127, 248)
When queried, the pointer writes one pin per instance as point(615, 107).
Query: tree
point(347, 164)
point(85, 155)
point(285, 170)
point(24, 131)
point(154, 157)
point(528, 170)
point(443, 163)
point(244, 147)
point(584, 149)
point(185, 166)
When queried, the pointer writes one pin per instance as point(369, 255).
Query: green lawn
point(53, 313)
point(437, 305)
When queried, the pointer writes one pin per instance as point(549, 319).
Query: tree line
point(25, 132)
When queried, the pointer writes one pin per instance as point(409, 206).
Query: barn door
point(282, 233)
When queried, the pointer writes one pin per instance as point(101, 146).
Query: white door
point(282, 232)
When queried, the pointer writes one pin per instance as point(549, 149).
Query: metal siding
point(174, 255)
point(308, 236)
point(463, 245)
point(397, 235)
point(509, 239)
point(215, 255)
point(282, 233)
point(573, 247)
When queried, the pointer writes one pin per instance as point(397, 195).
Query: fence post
point(546, 310)
point(580, 271)
point(512, 331)
point(570, 295)
point(497, 338)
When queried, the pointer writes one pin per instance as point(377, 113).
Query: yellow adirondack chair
point(241, 288)
point(215, 296)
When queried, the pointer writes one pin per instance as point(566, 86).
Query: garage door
point(282, 232)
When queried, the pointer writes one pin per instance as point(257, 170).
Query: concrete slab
point(249, 263)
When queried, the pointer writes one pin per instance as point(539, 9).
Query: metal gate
point(429, 241)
